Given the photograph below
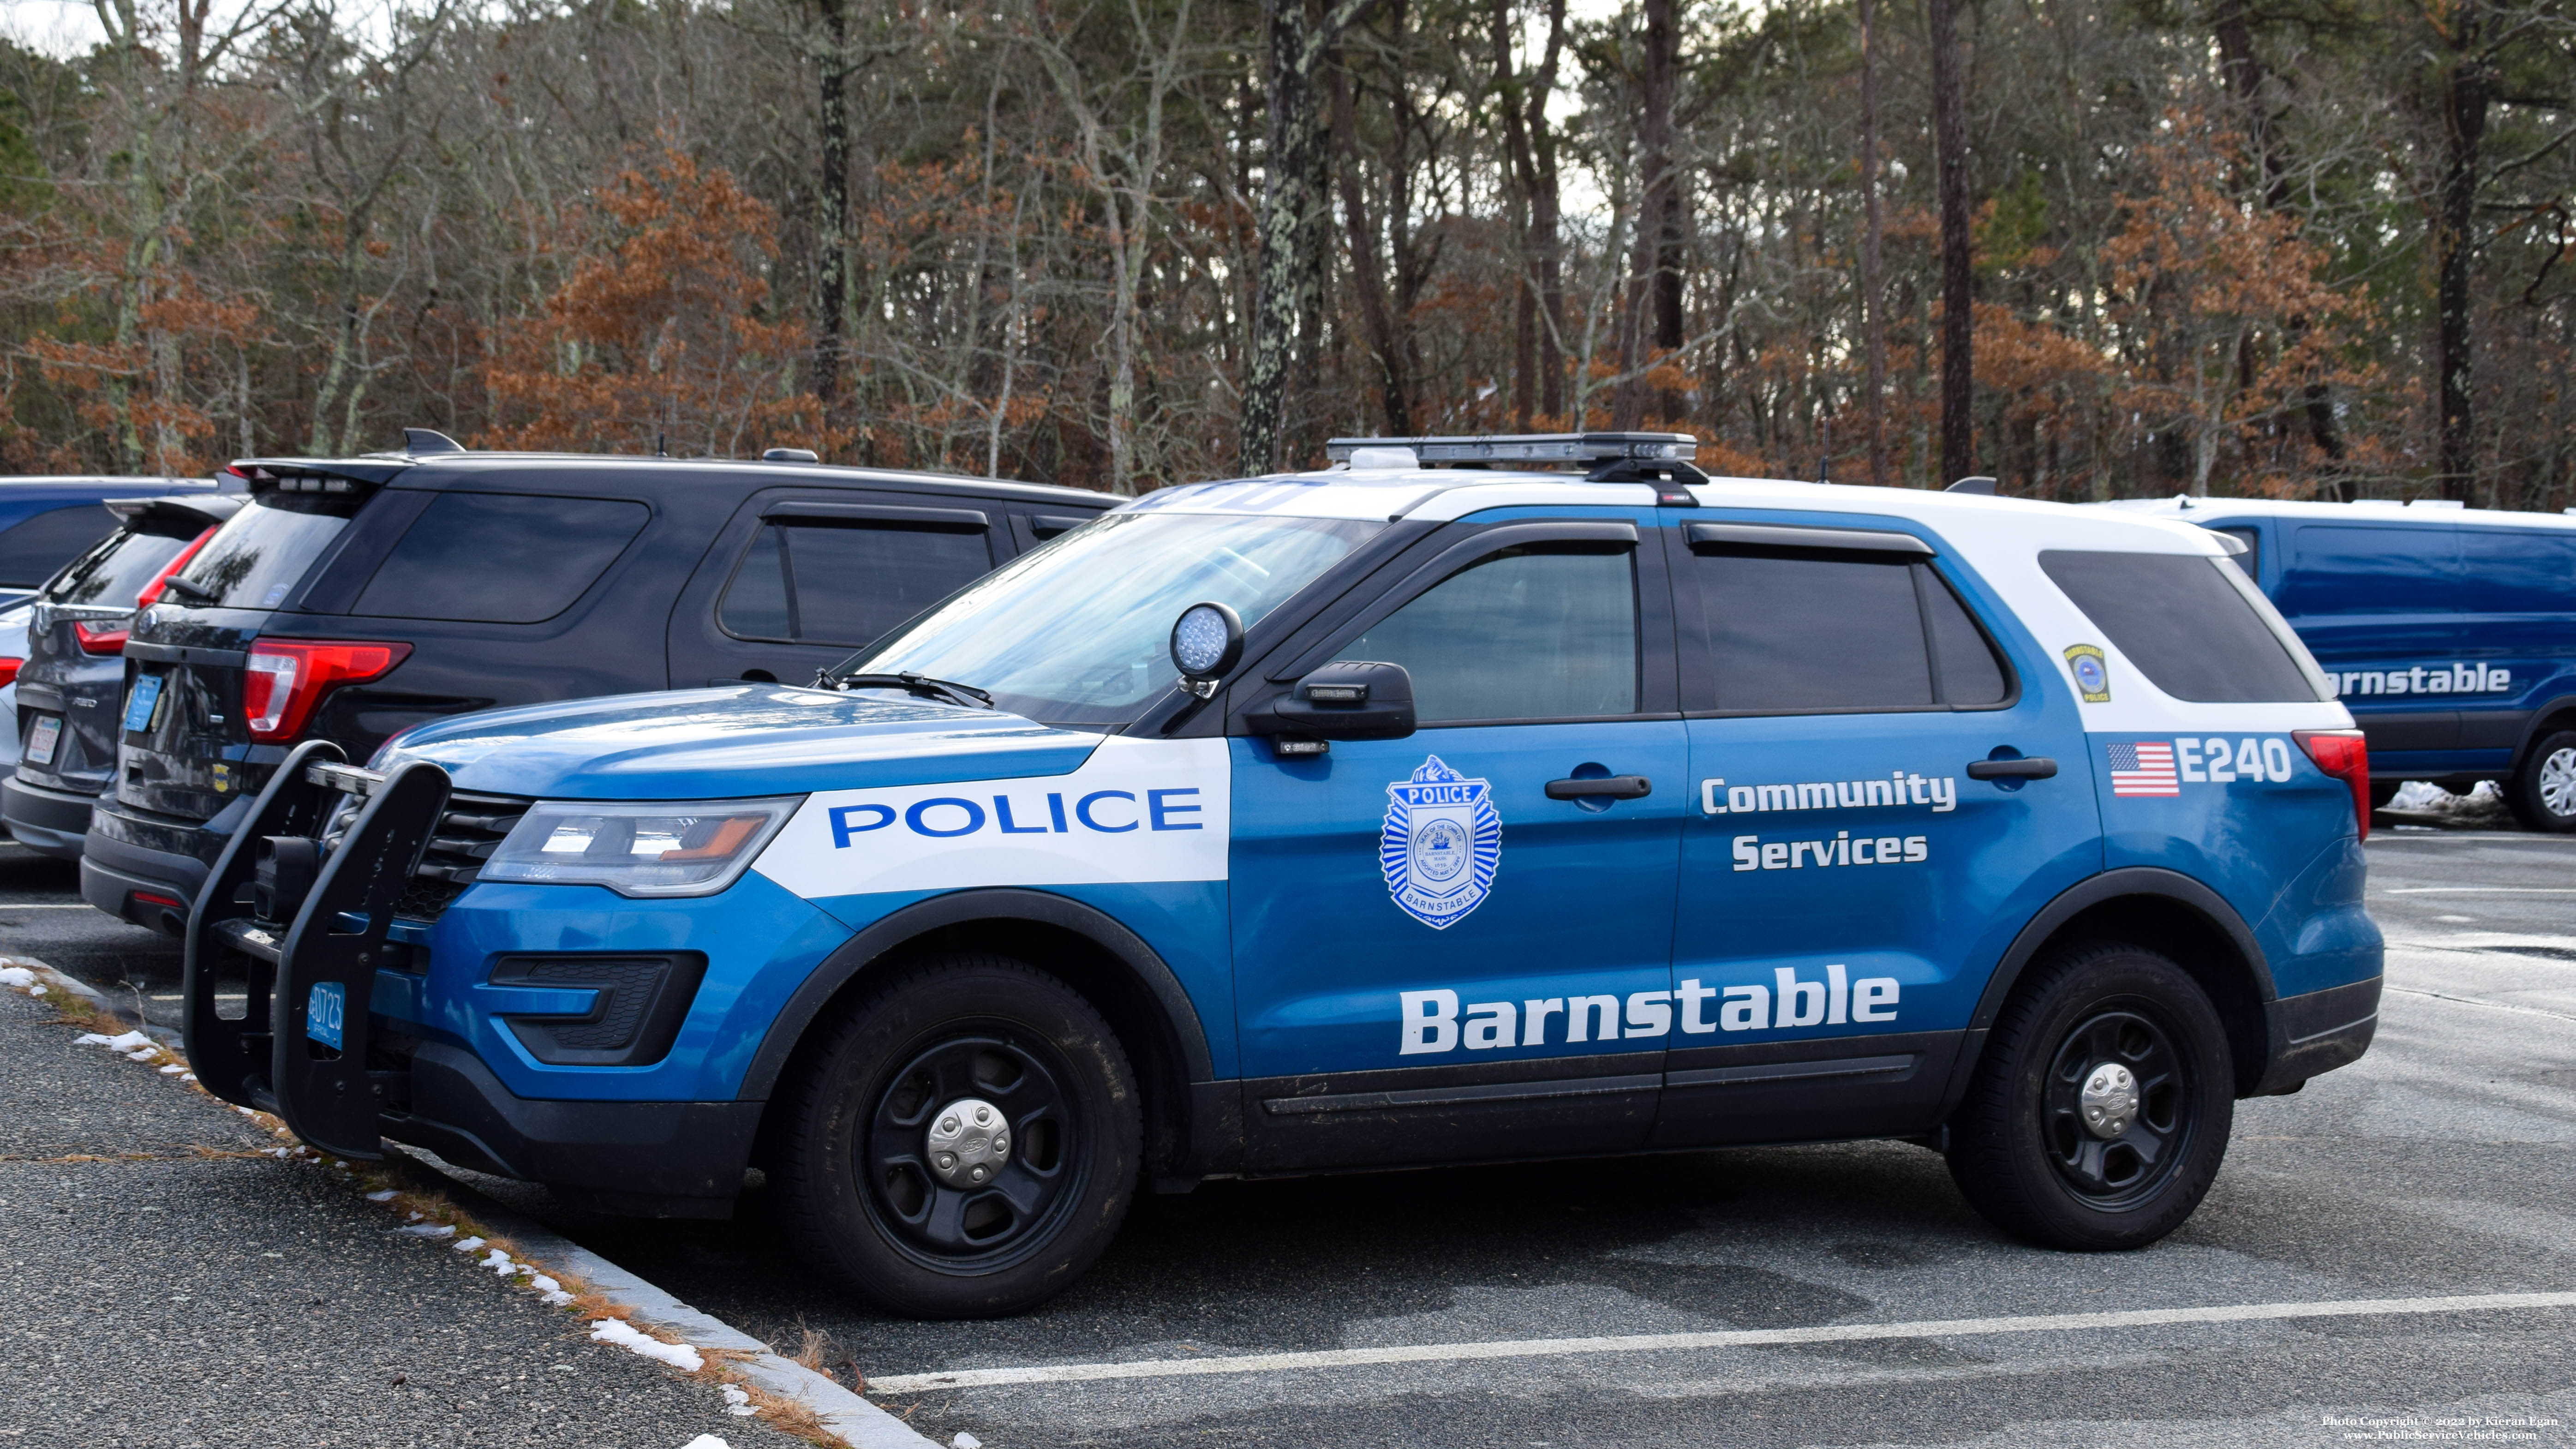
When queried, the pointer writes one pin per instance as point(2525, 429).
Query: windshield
point(1079, 632)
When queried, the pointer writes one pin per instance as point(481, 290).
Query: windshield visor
point(1078, 633)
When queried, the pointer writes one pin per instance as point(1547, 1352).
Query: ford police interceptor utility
point(1388, 815)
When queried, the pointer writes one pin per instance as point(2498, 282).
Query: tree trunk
point(1873, 316)
point(1287, 279)
point(832, 204)
point(1653, 317)
point(1368, 272)
point(1958, 281)
point(2467, 90)
point(1520, 180)
point(1546, 232)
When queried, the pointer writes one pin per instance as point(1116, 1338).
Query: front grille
point(467, 834)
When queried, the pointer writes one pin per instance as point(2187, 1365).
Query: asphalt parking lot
point(2440, 1166)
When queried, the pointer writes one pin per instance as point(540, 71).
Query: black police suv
point(352, 598)
point(72, 685)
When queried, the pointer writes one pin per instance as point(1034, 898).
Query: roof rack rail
point(1489, 450)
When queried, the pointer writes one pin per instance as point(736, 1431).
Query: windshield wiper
point(199, 592)
point(917, 684)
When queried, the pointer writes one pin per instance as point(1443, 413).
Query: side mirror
point(1206, 641)
point(1352, 700)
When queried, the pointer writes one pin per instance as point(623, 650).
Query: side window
point(1792, 630)
point(1544, 631)
point(806, 581)
point(2251, 560)
point(34, 547)
point(500, 558)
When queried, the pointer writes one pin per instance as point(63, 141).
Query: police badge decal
point(1440, 844)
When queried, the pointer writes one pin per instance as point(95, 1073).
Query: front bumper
point(49, 822)
point(650, 1159)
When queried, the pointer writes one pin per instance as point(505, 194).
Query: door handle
point(2037, 767)
point(1610, 787)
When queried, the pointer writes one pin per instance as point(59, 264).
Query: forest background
point(2308, 248)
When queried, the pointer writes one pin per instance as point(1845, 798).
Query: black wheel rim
point(983, 1227)
point(2112, 1173)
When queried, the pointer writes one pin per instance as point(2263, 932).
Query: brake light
point(9, 671)
point(105, 639)
point(152, 591)
point(285, 678)
point(2344, 754)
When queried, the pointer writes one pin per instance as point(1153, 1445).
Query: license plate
point(138, 705)
point(42, 739)
point(324, 1013)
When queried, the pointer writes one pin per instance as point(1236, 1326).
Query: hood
point(733, 742)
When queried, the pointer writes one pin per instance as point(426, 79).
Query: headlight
point(638, 848)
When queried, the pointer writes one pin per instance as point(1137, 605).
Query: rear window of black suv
point(263, 552)
point(2191, 623)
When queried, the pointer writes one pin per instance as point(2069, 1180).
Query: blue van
point(2449, 632)
point(1381, 816)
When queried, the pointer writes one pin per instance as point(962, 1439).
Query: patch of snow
point(467, 1245)
point(145, 1055)
point(626, 1336)
point(557, 1298)
point(418, 1231)
point(173, 1071)
point(187, 1076)
point(965, 1440)
point(35, 991)
point(18, 976)
point(737, 1402)
point(706, 1441)
point(544, 1284)
point(129, 1041)
point(386, 1195)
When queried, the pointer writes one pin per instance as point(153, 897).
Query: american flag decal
point(2144, 768)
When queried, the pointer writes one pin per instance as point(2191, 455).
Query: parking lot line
point(2479, 891)
point(1729, 1338)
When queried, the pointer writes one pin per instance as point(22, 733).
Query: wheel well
point(2199, 945)
point(1091, 969)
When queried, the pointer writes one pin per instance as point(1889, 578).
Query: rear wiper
point(918, 684)
point(200, 592)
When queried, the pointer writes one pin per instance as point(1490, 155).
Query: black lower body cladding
point(148, 870)
point(48, 822)
point(647, 1159)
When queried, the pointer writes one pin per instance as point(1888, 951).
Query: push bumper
point(2316, 1033)
point(48, 822)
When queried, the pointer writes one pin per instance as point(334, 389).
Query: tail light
point(105, 639)
point(2345, 755)
point(287, 677)
point(152, 591)
point(9, 671)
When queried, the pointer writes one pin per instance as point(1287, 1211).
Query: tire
point(2542, 794)
point(870, 1194)
point(2019, 1148)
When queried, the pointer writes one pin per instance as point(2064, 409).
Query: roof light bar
point(1574, 448)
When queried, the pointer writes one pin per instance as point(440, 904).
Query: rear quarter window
point(2191, 623)
point(34, 547)
point(500, 558)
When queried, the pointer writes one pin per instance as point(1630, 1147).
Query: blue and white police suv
point(1560, 802)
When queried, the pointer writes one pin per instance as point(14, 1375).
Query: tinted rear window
point(818, 583)
point(500, 558)
point(115, 571)
point(261, 554)
point(1792, 630)
point(34, 547)
point(2186, 621)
